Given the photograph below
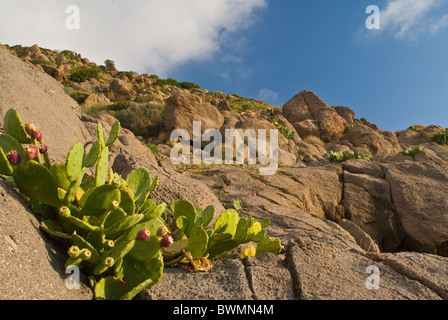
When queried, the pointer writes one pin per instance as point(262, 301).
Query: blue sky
point(264, 49)
point(325, 47)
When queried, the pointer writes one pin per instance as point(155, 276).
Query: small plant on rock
point(441, 137)
point(412, 151)
point(339, 157)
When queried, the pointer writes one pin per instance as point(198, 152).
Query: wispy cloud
point(269, 96)
point(143, 35)
point(410, 19)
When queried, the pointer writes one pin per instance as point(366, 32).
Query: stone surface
point(41, 100)
point(308, 106)
point(32, 264)
point(183, 109)
point(322, 272)
point(419, 193)
point(226, 281)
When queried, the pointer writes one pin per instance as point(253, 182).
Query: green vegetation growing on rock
point(116, 234)
point(84, 73)
point(339, 157)
point(441, 137)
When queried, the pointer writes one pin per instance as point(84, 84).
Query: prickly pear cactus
point(117, 235)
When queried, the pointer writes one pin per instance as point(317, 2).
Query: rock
point(324, 184)
point(226, 281)
point(93, 99)
point(419, 193)
point(346, 275)
point(121, 90)
point(308, 106)
point(224, 106)
point(32, 264)
point(429, 270)
point(363, 167)
point(307, 128)
point(40, 99)
point(269, 277)
point(362, 136)
point(346, 113)
point(414, 138)
point(379, 220)
point(183, 109)
point(58, 74)
point(361, 237)
point(334, 147)
point(285, 158)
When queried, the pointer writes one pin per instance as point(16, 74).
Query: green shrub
point(143, 120)
point(71, 55)
point(153, 148)
point(174, 82)
point(363, 120)
point(244, 105)
point(339, 157)
point(42, 62)
point(288, 134)
point(189, 85)
point(84, 73)
point(349, 127)
point(412, 151)
point(441, 137)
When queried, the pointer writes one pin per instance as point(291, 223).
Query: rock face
point(183, 109)
point(32, 264)
point(420, 199)
point(308, 106)
point(357, 230)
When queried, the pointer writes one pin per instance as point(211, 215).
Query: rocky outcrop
point(338, 223)
point(32, 264)
point(183, 109)
point(308, 106)
point(41, 101)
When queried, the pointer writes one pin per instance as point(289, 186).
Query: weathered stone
point(361, 237)
point(419, 193)
point(32, 264)
point(322, 272)
point(226, 281)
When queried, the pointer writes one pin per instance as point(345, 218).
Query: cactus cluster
point(116, 234)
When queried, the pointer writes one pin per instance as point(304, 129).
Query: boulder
point(369, 205)
point(40, 99)
point(419, 192)
point(183, 109)
point(121, 90)
point(32, 264)
point(361, 237)
point(346, 113)
point(347, 275)
point(94, 98)
point(362, 136)
point(308, 106)
point(418, 137)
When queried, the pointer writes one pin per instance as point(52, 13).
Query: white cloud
point(410, 19)
point(268, 96)
point(143, 35)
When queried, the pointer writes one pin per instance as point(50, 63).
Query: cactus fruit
point(31, 152)
point(143, 235)
point(14, 157)
point(166, 242)
point(162, 231)
point(43, 149)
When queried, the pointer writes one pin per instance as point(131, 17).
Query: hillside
point(347, 195)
